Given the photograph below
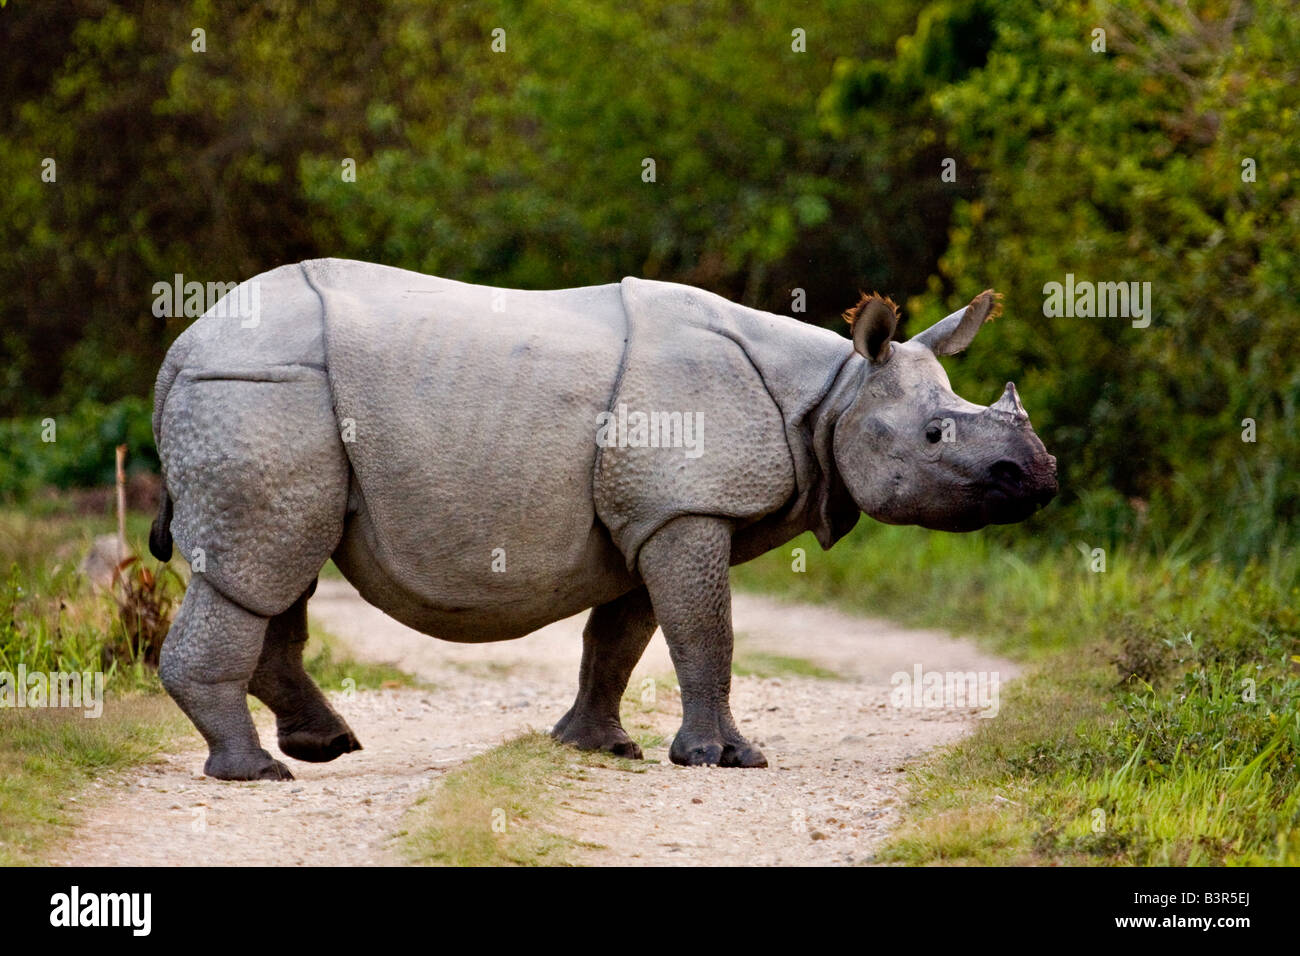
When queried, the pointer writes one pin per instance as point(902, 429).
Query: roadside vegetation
point(1159, 722)
point(52, 620)
point(48, 757)
point(930, 149)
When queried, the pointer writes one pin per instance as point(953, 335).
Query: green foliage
point(525, 168)
point(522, 167)
point(83, 450)
point(52, 620)
point(775, 170)
point(1125, 165)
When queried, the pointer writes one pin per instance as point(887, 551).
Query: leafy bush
point(52, 619)
point(777, 170)
point(83, 452)
point(1128, 164)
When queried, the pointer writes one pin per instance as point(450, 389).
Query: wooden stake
point(121, 503)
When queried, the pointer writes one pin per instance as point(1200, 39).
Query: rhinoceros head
point(910, 451)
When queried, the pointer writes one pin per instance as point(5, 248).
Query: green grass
point(50, 617)
point(47, 756)
point(1131, 740)
point(499, 808)
point(747, 663)
point(332, 668)
point(51, 620)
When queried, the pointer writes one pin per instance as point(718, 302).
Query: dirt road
point(836, 748)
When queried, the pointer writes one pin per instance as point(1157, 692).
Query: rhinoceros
point(480, 462)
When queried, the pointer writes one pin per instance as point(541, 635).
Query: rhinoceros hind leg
point(612, 642)
point(207, 660)
point(308, 727)
point(685, 566)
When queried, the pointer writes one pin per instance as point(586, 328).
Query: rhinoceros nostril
point(1006, 472)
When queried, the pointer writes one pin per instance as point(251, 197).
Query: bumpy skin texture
point(439, 440)
point(208, 659)
point(754, 377)
point(685, 567)
point(612, 642)
point(307, 726)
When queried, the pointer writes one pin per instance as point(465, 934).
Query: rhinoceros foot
point(258, 765)
point(593, 736)
point(316, 747)
point(689, 752)
point(743, 754)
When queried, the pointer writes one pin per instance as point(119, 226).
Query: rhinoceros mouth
point(991, 504)
point(1015, 498)
point(1001, 508)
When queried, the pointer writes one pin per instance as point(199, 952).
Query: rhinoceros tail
point(160, 535)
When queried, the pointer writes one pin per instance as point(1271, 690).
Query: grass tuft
point(746, 663)
point(498, 809)
point(48, 755)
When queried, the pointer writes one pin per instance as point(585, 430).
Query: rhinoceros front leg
point(612, 642)
point(207, 661)
point(685, 566)
point(308, 727)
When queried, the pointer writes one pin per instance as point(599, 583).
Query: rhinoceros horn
point(1010, 403)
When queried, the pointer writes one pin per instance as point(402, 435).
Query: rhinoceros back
point(469, 416)
point(748, 378)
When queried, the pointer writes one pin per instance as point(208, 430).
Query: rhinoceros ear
point(873, 321)
point(949, 336)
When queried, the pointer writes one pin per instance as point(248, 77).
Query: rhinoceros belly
point(469, 418)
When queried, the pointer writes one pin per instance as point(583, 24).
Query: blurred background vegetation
point(776, 170)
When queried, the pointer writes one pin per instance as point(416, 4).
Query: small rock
point(100, 563)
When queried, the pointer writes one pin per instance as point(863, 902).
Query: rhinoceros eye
point(933, 434)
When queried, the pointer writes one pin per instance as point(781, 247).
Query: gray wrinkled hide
point(756, 378)
point(423, 431)
point(474, 430)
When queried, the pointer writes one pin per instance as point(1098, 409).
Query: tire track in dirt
point(832, 792)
